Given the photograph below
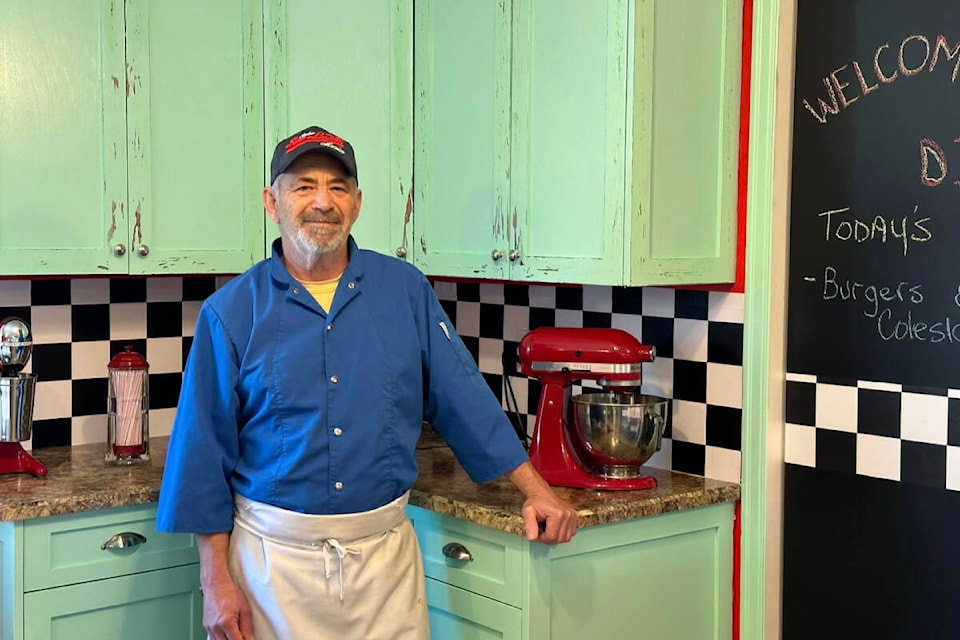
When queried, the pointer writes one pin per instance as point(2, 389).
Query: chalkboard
point(874, 267)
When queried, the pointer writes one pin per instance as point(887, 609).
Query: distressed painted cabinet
point(569, 141)
point(665, 576)
point(348, 67)
point(130, 136)
point(60, 583)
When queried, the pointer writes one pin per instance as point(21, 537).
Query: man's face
point(315, 202)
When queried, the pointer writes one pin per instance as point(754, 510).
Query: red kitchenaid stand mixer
point(558, 357)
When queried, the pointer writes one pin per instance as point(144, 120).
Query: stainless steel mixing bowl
point(620, 431)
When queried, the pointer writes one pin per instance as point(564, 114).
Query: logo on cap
point(322, 138)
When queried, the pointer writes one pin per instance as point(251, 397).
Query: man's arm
point(226, 612)
point(543, 507)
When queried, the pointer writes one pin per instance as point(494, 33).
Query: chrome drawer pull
point(123, 540)
point(456, 551)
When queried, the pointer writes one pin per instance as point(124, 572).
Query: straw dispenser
point(128, 403)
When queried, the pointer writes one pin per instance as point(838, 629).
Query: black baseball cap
point(312, 140)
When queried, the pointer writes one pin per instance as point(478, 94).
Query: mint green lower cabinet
point(58, 580)
point(456, 613)
point(157, 605)
point(665, 577)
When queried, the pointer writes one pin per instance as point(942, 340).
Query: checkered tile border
point(875, 429)
point(699, 341)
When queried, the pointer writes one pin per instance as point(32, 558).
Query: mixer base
point(577, 478)
point(15, 459)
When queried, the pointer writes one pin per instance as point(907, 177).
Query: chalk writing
point(907, 328)
point(914, 54)
point(878, 229)
point(872, 294)
point(930, 148)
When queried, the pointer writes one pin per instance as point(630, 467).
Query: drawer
point(157, 605)
point(62, 550)
point(455, 613)
point(495, 564)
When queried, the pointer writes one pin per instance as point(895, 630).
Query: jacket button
point(334, 379)
point(337, 431)
point(338, 486)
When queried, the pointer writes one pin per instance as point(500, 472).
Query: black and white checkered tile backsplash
point(79, 324)
point(875, 429)
point(699, 341)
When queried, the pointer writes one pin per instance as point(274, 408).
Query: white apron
point(343, 577)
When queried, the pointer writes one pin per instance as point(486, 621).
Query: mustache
point(336, 219)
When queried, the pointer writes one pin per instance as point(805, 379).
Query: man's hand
point(546, 518)
point(226, 612)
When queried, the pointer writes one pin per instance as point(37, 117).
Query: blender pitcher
point(128, 404)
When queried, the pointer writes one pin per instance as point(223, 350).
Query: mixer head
point(560, 355)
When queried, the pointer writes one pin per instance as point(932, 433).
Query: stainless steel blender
point(17, 391)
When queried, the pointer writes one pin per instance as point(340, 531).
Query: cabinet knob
point(123, 540)
point(456, 551)
point(514, 255)
point(143, 250)
point(496, 254)
point(119, 250)
point(401, 252)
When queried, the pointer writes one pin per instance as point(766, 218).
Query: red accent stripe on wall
point(744, 144)
point(741, 253)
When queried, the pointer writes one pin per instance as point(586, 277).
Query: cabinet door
point(462, 149)
point(456, 614)
point(156, 605)
point(195, 135)
point(63, 185)
point(569, 119)
point(685, 133)
point(348, 67)
point(666, 576)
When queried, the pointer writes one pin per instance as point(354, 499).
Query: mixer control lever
point(456, 551)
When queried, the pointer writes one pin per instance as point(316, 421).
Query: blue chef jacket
point(320, 412)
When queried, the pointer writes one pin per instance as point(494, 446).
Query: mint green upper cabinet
point(130, 136)
point(569, 101)
point(462, 124)
point(597, 144)
point(685, 119)
point(63, 186)
point(348, 67)
point(195, 135)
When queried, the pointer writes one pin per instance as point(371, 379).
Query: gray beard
point(309, 248)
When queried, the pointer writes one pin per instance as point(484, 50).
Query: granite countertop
point(78, 480)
